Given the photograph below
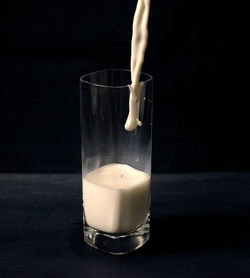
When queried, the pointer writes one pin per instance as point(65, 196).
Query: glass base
point(117, 244)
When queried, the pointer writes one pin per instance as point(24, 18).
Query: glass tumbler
point(116, 163)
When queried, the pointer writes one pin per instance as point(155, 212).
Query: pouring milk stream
point(138, 47)
point(116, 196)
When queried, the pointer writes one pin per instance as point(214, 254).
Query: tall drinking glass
point(116, 163)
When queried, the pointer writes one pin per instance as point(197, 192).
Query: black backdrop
point(194, 53)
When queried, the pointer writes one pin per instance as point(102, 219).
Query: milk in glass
point(116, 196)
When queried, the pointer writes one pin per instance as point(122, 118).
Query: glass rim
point(149, 78)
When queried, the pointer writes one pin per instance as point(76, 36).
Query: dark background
point(201, 116)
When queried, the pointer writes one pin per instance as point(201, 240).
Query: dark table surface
point(200, 227)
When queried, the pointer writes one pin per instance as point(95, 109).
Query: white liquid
point(138, 47)
point(116, 198)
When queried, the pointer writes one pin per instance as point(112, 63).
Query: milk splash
point(138, 47)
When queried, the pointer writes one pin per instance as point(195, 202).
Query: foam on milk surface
point(116, 198)
point(138, 47)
